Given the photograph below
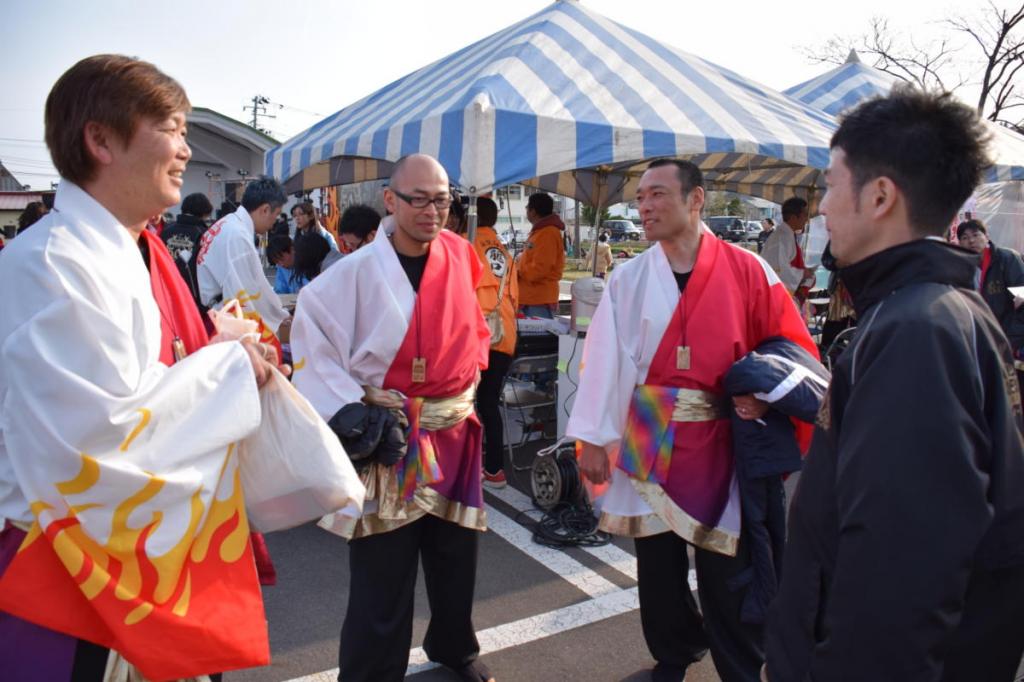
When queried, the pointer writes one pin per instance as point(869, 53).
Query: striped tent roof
point(843, 87)
point(563, 89)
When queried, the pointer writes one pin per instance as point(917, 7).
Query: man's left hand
point(749, 408)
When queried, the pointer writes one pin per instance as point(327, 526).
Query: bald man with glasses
point(411, 342)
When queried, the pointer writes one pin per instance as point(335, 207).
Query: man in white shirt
point(229, 266)
point(782, 249)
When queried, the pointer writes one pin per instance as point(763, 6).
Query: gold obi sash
point(694, 405)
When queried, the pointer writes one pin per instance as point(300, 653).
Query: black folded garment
point(370, 433)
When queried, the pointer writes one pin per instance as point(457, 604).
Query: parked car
point(727, 227)
point(619, 230)
point(754, 229)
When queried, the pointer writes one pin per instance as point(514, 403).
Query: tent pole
point(471, 219)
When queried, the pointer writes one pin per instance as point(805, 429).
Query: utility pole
point(259, 109)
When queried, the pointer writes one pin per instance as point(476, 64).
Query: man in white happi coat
point(783, 251)
point(407, 335)
point(126, 529)
point(228, 264)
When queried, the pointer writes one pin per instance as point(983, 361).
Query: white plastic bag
point(293, 468)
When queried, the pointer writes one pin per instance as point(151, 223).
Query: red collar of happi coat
point(446, 328)
point(179, 317)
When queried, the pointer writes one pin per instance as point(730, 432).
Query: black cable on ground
point(571, 522)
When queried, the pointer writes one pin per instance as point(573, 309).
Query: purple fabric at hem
point(27, 651)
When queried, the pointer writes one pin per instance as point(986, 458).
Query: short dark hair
point(542, 204)
point(360, 220)
point(792, 207)
point(603, 237)
point(263, 190)
point(310, 252)
point(929, 144)
point(109, 89)
point(969, 225)
point(458, 211)
point(278, 246)
point(33, 211)
point(689, 173)
point(486, 212)
point(197, 204)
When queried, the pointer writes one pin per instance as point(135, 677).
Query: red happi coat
point(447, 329)
point(729, 306)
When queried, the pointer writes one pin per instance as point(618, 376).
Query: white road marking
point(606, 599)
point(523, 631)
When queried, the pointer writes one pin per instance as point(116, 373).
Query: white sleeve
point(607, 378)
point(245, 281)
point(82, 399)
point(321, 343)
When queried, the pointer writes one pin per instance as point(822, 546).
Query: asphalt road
point(541, 615)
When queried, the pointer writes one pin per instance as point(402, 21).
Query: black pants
point(377, 632)
point(675, 632)
point(487, 394)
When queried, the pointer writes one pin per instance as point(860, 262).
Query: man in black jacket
point(906, 534)
point(182, 238)
point(1000, 268)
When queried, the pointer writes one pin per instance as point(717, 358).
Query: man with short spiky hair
point(656, 422)
point(229, 266)
point(905, 558)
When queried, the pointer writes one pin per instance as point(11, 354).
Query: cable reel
point(555, 477)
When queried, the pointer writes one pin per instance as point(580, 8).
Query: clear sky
point(317, 56)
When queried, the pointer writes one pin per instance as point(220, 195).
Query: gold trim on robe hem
point(632, 526)
point(682, 524)
point(425, 501)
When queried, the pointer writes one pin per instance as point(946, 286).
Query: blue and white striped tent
point(846, 86)
point(563, 89)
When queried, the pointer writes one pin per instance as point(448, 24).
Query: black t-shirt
point(681, 279)
point(414, 267)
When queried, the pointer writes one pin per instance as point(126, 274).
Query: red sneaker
point(495, 480)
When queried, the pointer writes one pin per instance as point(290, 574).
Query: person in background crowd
point(457, 219)
point(358, 226)
point(229, 265)
point(310, 252)
point(182, 239)
point(905, 556)
point(281, 253)
point(306, 224)
point(783, 252)
point(497, 294)
point(603, 255)
point(767, 227)
point(32, 213)
point(1000, 268)
point(541, 263)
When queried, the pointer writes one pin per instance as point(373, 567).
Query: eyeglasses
point(440, 203)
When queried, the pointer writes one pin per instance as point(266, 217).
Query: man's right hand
point(261, 366)
point(594, 462)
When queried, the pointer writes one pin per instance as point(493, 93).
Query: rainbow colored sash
point(419, 466)
point(646, 449)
